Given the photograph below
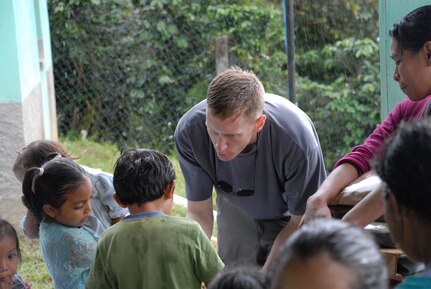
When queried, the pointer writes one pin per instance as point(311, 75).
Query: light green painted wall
point(9, 72)
point(391, 11)
point(19, 69)
point(28, 60)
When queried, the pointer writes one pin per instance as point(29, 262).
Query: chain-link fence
point(125, 71)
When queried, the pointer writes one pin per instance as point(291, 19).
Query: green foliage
point(345, 101)
point(323, 22)
point(127, 70)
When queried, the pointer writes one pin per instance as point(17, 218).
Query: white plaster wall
point(32, 113)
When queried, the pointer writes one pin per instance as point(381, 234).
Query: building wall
point(27, 100)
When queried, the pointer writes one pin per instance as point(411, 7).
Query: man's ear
point(260, 122)
point(169, 191)
point(49, 210)
point(117, 199)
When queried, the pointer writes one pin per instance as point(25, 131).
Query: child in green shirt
point(149, 248)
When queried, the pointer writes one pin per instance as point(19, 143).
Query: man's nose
point(221, 144)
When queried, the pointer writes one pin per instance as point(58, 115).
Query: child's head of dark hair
point(35, 155)
point(242, 277)
point(142, 175)
point(343, 243)
point(50, 184)
point(404, 164)
point(6, 229)
point(414, 29)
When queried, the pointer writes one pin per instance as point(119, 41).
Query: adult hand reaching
point(316, 208)
point(317, 204)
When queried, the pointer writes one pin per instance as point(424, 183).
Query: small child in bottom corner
point(10, 256)
point(59, 194)
point(241, 277)
point(149, 248)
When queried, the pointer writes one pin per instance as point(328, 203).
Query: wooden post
point(222, 54)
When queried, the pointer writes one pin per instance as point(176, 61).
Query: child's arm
point(30, 226)
point(116, 220)
point(103, 189)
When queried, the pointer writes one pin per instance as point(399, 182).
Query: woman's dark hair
point(414, 29)
point(243, 277)
point(345, 244)
point(142, 175)
point(6, 229)
point(50, 184)
point(404, 164)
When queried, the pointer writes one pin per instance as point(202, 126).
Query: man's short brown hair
point(235, 92)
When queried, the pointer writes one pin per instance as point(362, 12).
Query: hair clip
point(35, 177)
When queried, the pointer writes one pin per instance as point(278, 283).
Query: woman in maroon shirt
point(411, 51)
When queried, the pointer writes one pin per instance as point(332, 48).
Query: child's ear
point(49, 210)
point(117, 199)
point(395, 207)
point(427, 48)
point(169, 191)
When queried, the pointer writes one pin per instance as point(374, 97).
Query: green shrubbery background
point(125, 71)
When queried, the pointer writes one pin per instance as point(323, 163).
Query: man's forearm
point(205, 222)
point(284, 234)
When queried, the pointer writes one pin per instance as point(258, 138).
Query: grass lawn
point(103, 156)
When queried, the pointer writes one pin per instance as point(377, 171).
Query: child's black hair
point(50, 183)
point(142, 175)
point(404, 164)
point(240, 277)
point(6, 229)
point(35, 155)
